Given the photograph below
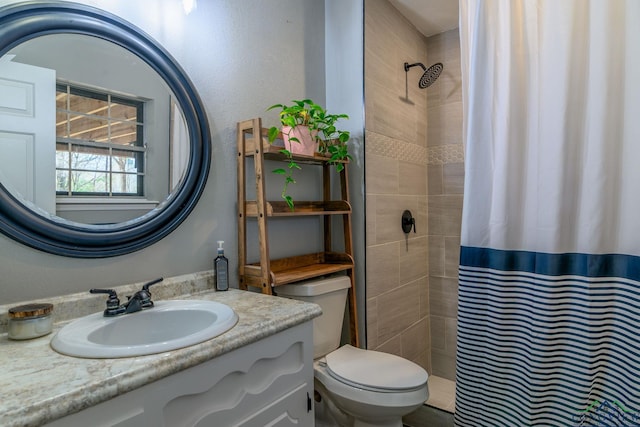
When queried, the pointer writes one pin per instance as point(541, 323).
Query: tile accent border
point(443, 154)
point(383, 145)
point(392, 148)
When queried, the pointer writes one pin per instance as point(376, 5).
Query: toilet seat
point(374, 371)
point(340, 391)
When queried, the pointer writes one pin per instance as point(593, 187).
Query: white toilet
point(356, 387)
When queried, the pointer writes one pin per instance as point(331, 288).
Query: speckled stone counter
point(39, 385)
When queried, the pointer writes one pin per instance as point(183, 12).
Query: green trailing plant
point(288, 177)
point(332, 142)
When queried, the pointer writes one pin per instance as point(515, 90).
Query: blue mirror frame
point(23, 21)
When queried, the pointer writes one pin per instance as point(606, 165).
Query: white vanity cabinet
point(266, 383)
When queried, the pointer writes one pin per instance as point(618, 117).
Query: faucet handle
point(113, 296)
point(145, 287)
point(113, 302)
point(142, 298)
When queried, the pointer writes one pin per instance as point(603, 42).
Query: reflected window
point(99, 143)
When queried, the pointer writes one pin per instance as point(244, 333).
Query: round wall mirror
point(104, 142)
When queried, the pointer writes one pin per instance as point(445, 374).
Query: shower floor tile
point(442, 394)
point(438, 409)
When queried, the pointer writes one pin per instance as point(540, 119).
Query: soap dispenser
point(221, 269)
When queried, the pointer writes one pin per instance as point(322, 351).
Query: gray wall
point(242, 56)
point(345, 73)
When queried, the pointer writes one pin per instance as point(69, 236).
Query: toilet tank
point(330, 294)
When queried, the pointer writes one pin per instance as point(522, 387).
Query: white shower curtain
point(549, 289)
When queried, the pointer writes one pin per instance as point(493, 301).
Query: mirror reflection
point(88, 131)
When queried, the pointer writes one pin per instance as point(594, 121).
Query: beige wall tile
point(451, 256)
point(443, 296)
point(412, 178)
point(446, 186)
point(435, 127)
point(422, 126)
point(423, 359)
point(378, 65)
point(436, 255)
point(396, 128)
point(383, 268)
point(450, 332)
point(389, 211)
point(447, 89)
point(370, 227)
point(451, 121)
point(397, 108)
point(385, 22)
point(392, 346)
point(445, 215)
point(423, 295)
point(391, 116)
point(450, 89)
point(443, 365)
point(390, 40)
point(437, 333)
point(423, 285)
point(397, 310)
point(435, 176)
point(445, 48)
point(415, 339)
point(382, 175)
point(413, 262)
point(421, 217)
point(445, 124)
point(372, 323)
point(453, 178)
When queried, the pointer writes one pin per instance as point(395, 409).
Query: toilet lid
point(374, 369)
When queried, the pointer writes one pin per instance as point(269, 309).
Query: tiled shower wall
point(396, 179)
point(445, 189)
point(414, 160)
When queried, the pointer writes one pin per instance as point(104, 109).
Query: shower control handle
point(408, 222)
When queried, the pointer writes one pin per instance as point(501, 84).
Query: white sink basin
point(167, 326)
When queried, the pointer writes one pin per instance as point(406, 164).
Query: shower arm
point(407, 66)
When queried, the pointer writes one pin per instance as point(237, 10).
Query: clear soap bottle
point(221, 269)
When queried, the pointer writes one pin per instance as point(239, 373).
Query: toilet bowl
point(356, 387)
point(374, 388)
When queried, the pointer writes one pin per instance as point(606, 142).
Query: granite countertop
point(39, 385)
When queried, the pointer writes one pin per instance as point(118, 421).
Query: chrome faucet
point(141, 300)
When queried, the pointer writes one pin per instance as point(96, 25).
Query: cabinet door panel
point(289, 410)
point(265, 383)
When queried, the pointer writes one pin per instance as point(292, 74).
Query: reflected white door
point(27, 132)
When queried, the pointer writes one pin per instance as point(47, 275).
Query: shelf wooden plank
point(308, 272)
point(303, 267)
point(301, 208)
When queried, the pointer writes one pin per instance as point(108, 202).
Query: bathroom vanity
point(257, 373)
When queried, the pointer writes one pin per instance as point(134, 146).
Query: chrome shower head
point(430, 74)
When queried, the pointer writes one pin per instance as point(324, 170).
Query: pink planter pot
point(306, 143)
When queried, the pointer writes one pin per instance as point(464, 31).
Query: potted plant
point(299, 126)
point(306, 128)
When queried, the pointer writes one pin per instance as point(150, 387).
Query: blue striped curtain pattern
point(549, 276)
point(548, 339)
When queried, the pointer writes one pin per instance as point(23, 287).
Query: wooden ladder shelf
point(269, 273)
